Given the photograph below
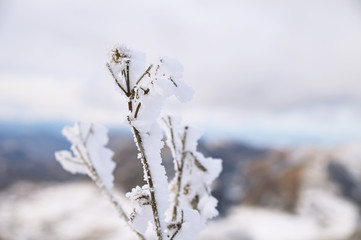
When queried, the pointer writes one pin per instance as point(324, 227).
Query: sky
point(269, 72)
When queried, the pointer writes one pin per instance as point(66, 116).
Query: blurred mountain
point(278, 178)
point(252, 176)
point(317, 188)
point(27, 154)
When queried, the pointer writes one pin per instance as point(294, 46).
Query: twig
point(149, 180)
point(140, 146)
point(146, 72)
point(107, 193)
point(198, 163)
point(130, 106)
point(146, 91)
point(72, 161)
point(127, 79)
point(90, 132)
point(171, 79)
point(179, 225)
point(170, 126)
point(179, 174)
point(116, 80)
point(137, 110)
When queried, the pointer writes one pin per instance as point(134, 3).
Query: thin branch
point(127, 79)
point(137, 110)
point(178, 168)
point(198, 163)
point(107, 193)
point(116, 80)
point(149, 180)
point(171, 79)
point(145, 73)
point(146, 91)
point(130, 106)
point(170, 126)
point(75, 162)
point(179, 175)
point(81, 156)
point(179, 226)
point(165, 122)
point(173, 147)
point(90, 132)
point(194, 202)
point(157, 69)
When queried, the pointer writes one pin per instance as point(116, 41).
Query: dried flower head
point(119, 54)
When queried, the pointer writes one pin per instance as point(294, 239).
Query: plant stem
point(179, 172)
point(148, 176)
point(107, 193)
point(149, 180)
point(146, 72)
point(179, 226)
point(137, 110)
point(127, 78)
point(115, 79)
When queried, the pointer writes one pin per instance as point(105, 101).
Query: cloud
point(270, 57)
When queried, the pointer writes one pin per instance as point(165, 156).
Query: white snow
point(70, 211)
point(88, 141)
point(334, 216)
point(152, 143)
point(77, 211)
point(146, 86)
point(251, 223)
point(198, 172)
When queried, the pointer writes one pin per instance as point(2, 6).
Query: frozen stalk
point(92, 158)
point(177, 215)
point(194, 174)
point(145, 89)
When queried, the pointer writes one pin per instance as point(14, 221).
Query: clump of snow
point(194, 172)
point(147, 85)
point(191, 225)
point(139, 196)
point(89, 154)
point(142, 212)
point(152, 143)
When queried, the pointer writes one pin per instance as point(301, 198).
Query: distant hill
point(27, 154)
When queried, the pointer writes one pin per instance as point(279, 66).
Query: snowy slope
point(77, 211)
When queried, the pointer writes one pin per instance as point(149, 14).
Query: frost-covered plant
point(157, 212)
point(190, 188)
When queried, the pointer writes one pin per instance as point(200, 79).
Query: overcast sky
point(271, 70)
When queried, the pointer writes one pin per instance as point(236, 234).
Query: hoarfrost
point(191, 226)
point(191, 186)
point(157, 213)
point(142, 212)
point(89, 154)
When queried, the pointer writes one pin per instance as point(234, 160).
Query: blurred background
point(277, 91)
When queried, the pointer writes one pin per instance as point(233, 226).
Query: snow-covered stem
point(112, 199)
point(156, 212)
point(178, 226)
point(179, 163)
point(134, 92)
point(149, 179)
point(84, 160)
point(194, 174)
